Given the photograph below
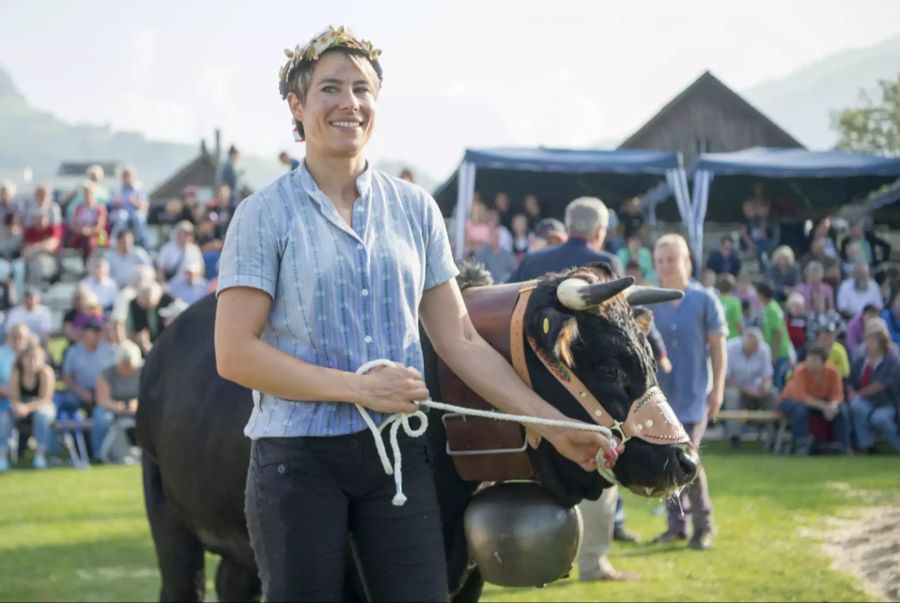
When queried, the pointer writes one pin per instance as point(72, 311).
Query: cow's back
point(190, 424)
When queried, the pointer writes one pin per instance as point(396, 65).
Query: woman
point(117, 397)
point(31, 386)
point(814, 287)
point(873, 390)
point(87, 226)
point(783, 273)
point(309, 290)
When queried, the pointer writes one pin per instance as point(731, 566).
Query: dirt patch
point(866, 546)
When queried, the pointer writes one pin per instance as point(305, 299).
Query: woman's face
point(783, 262)
point(671, 265)
point(339, 111)
point(33, 361)
point(873, 346)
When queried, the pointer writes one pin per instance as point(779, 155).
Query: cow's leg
point(179, 552)
point(236, 583)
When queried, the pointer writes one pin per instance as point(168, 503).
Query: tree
point(872, 126)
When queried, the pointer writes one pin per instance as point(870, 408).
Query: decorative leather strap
point(516, 333)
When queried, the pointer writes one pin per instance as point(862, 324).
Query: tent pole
point(464, 195)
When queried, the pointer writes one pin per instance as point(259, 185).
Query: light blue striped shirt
point(342, 295)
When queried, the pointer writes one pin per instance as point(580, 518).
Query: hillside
point(802, 102)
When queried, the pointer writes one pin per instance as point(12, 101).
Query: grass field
point(68, 535)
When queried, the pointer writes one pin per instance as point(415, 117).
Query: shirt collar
point(363, 182)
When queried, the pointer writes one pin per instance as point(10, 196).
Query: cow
point(195, 457)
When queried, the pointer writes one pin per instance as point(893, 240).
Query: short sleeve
point(439, 264)
point(251, 254)
point(715, 317)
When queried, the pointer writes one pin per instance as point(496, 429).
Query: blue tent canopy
point(557, 176)
point(807, 183)
point(797, 163)
point(625, 161)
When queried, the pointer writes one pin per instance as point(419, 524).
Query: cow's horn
point(643, 296)
point(578, 294)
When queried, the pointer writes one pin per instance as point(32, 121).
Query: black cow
point(190, 423)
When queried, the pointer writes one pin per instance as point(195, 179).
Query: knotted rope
point(398, 420)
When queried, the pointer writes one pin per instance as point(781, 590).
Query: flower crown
point(333, 37)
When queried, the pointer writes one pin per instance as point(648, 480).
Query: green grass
point(69, 535)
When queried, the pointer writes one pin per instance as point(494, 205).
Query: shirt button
point(365, 292)
point(368, 339)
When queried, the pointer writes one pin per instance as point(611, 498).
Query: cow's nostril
point(688, 461)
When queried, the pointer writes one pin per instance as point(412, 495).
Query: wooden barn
point(708, 117)
point(200, 173)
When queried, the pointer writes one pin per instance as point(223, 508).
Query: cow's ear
point(556, 333)
point(643, 317)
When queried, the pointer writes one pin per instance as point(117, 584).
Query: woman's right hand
point(392, 389)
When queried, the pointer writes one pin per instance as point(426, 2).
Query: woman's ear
point(296, 106)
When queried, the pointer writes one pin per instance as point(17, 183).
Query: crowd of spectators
point(81, 369)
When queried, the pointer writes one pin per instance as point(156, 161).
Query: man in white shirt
point(125, 257)
point(190, 287)
point(32, 314)
point(179, 251)
point(858, 291)
point(748, 378)
point(100, 283)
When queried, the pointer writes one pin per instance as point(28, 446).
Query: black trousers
point(304, 495)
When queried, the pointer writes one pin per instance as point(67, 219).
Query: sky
point(458, 73)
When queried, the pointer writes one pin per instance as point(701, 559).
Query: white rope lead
point(398, 420)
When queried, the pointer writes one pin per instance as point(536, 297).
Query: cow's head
point(594, 331)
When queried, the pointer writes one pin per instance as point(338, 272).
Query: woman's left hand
point(20, 410)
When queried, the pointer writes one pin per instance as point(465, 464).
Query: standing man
point(693, 329)
point(586, 221)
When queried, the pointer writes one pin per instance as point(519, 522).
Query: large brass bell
point(520, 536)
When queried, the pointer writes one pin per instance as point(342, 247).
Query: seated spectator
point(41, 241)
point(209, 236)
point(634, 250)
point(734, 313)
point(125, 257)
point(33, 314)
point(174, 211)
point(144, 323)
point(824, 232)
point(724, 259)
point(873, 392)
point(813, 286)
point(857, 292)
point(85, 306)
point(631, 219)
point(503, 209)
point(84, 362)
point(478, 231)
point(783, 273)
point(100, 283)
point(10, 222)
point(549, 233)
point(797, 322)
point(872, 249)
point(93, 175)
point(856, 327)
point(521, 236)
point(178, 252)
point(831, 264)
point(128, 210)
point(17, 339)
point(87, 226)
point(815, 387)
point(746, 292)
point(531, 207)
point(837, 353)
point(891, 316)
point(748, 378)
point(143, 275)
point(819, 317)
point(117, 394)
point(191, 287)
point(498, 261)
point(31, 385)
point(776, 335)
point(632, 268)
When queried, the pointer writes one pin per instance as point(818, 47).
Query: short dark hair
point(764, 289)
point(818, 350)
point(726, 239)
point(870, 308)
point(123, 233)
point(725, 283)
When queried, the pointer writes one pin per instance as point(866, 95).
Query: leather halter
point(650, 417)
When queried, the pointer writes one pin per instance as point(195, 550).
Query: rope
point(398, 420)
